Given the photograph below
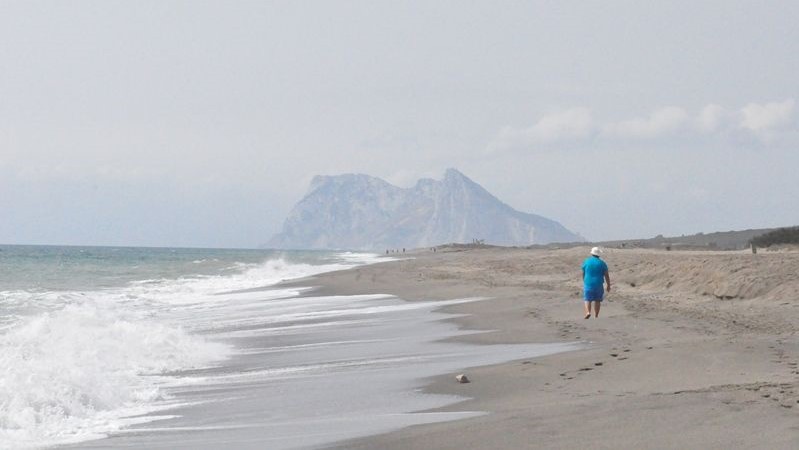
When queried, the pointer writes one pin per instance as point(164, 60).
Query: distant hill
point(721, 240)
point(779, 236)
point(356, 211)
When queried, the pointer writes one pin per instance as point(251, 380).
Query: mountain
point(355, 211)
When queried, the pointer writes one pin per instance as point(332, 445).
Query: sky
point(201, 123)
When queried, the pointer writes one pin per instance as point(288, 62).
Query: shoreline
point(346, 363)
point(708, 362)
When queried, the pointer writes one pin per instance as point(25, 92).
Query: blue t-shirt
point(595, 270)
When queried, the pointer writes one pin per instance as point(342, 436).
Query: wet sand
point(691, 349)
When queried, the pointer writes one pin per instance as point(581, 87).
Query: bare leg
point(587, 309)
point(596, 308)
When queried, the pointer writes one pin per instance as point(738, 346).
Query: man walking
point(594, 272)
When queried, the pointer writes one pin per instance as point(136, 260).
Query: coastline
point(692, 349)
point(332, 360)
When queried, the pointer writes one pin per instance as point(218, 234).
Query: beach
point(692, 349)
point(297, 350)
point(107, 347)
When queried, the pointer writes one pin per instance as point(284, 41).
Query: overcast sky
point(198, 123)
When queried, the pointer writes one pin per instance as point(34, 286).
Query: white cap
point(596, 251)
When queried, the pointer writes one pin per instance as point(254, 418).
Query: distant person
point(595, 271)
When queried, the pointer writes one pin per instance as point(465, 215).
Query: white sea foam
point(76, 372)
point(77, 365)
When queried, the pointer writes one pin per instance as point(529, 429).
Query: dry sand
point(692, 349)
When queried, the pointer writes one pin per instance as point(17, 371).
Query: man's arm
point(607, 279)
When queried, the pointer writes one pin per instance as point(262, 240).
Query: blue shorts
point(593, 294)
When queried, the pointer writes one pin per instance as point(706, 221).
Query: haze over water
point(200, 124)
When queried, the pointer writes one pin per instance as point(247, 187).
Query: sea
point(110, 347)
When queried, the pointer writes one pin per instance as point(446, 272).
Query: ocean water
point(191, 348)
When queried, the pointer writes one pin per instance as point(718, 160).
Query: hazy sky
point(201, 123)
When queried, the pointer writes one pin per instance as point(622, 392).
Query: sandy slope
point(692, 349)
